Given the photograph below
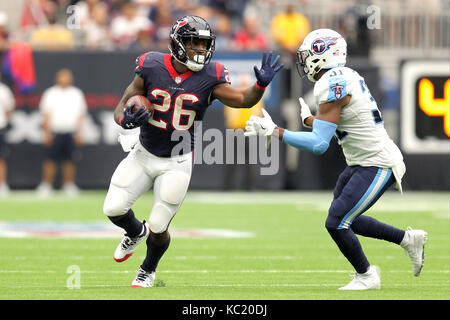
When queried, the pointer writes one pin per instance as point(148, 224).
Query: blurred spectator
point(221, 26)
point(52, 37)
point(125, 26)
point(114, 6)
point(289, 28)
point(60, 12)
point(4, 41)
point(7, 105)
point(250, 37)
point(161, 16)
point(96, 29)
point(353, 26)
point(36, 13)
point(182, 8)
point(85, 10)
point(177, 8)
point(63, 109)
point(231, 8)
point(143, 42)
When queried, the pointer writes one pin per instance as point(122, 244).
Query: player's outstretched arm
point(237, 98)
point(136, 87)
point(324, 126)
point(247, 98)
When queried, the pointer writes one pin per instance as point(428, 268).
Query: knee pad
point(115, 202)
point(160, 217)
point(333, 221)
point(173, 187)
point(336, 214)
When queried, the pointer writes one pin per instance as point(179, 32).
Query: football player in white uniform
point(347, 110)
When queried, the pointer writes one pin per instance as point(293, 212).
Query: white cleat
point(44, 190)
point(126, 247)
point(71, 189)
point(364, 281)
point(4, 190)
point(143, 279)
point(414, 245)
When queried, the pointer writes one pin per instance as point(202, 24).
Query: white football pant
point(141, 170)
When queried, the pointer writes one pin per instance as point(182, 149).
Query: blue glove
point(132, 120)
point(267, 71)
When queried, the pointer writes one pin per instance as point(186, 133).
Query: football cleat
point(126, 247)
point(44, 190)
point(4, 190)
point(71, 189)
point(414, 245)
point(143, 279)
point(364, 281)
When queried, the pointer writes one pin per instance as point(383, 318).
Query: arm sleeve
point(316, 141)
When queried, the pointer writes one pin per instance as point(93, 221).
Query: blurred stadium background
point(99, 41)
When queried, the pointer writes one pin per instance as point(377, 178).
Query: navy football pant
point(357, 189)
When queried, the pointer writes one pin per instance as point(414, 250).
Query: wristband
point(259, 87)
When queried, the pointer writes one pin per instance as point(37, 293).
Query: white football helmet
point(321, 49)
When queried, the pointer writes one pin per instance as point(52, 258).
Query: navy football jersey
point(179, 99)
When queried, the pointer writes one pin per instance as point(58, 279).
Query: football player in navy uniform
point(180, 85)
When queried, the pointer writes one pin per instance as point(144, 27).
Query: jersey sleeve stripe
point(142, 59)
point(218, 70)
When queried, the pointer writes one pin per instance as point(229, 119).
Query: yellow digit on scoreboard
point(435, 107)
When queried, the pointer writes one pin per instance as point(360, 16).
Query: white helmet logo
point(321, 45)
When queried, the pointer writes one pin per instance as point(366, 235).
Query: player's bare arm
point(136, 87)
point(237, 98)
point(48, 137)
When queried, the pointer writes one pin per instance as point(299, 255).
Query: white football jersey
point(360, 132)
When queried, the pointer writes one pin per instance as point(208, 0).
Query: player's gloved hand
point(260, 126)
point(305, 111)
point(267, 71)
point(132, 120)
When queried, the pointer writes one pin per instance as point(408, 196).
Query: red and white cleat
point(128, 245)
point(143, 279)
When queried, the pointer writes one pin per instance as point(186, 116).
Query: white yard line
point(78, 258)
point(209, 271)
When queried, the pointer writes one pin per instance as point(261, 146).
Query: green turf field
point(285, 252)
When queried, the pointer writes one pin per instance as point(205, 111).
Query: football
point(138, 102)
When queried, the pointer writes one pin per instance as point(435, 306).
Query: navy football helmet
point(187, 31)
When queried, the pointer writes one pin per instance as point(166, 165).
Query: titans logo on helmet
point(321, 45)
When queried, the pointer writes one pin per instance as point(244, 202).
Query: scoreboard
point(425, 106)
